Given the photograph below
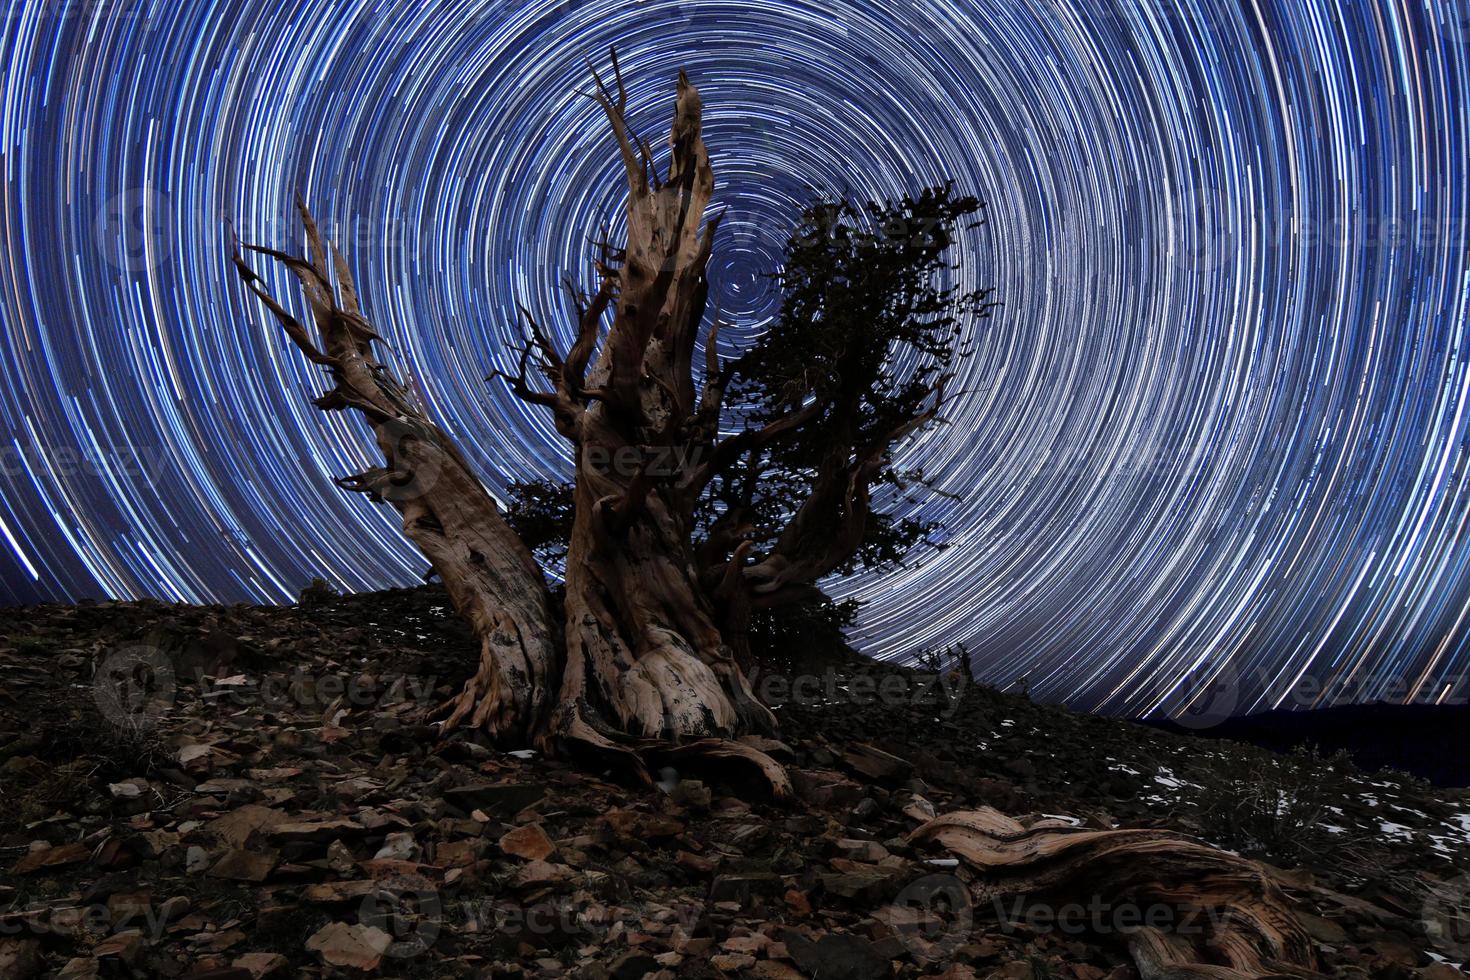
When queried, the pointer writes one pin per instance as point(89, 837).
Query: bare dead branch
point(520, 385)
point(589, 321)
point(615, 106)
point(731, 449)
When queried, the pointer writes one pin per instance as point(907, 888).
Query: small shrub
point(316, 593)
point(77, 733)
point(1274, 806)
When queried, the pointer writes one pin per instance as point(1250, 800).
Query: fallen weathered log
point(1193, 911)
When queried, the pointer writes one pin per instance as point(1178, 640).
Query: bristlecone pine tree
point(678, 535)
point(676, 539)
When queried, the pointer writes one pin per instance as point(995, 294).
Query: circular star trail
point(1218, 429)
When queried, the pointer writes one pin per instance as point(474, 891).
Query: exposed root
point(575, 735)
point(578, 735)
point(723, 750)
point(480, 704)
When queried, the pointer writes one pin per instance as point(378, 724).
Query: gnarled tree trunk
point(644, 655)
point(637, 658)
point(643, 652)
point(490, 575)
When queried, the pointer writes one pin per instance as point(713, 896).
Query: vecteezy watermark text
point(941, 691)
point(1100, 917)
point(136, 686)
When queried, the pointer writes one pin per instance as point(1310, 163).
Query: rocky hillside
point(242, 792)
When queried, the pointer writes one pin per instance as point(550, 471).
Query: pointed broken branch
point(615, 106)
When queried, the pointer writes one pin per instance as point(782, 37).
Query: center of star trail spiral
point(1218, 428)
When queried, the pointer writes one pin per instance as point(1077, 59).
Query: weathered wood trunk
point(637, 656)
point(1227, 919)
point(644, 654)
point(494, 583)
point(491, 577)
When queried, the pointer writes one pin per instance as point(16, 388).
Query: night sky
point(1218, 428)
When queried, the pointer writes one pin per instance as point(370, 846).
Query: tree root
point(723, 751)
point(577, 734)
point(480, 704)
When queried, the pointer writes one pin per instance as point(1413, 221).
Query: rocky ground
point(242, 792)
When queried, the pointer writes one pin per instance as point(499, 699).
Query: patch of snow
point(1396, 830)
point(1165, 777)
point(1074, 821)
point(1447, 962)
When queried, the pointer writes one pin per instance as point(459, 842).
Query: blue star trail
point(1219, 427)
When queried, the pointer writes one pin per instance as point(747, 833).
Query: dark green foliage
point(541, 512)
point(869, 330)
point(1276, 806)
point(869, 321)
point(804, 633)
point(947, 658)
point(316, 593)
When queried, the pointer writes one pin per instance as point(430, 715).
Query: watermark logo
point(122, 913)
point(1207, 697)
point(133, 229)
point(660, 462)
point(310, 691)
point(135, 686)
point(412, 918)
point(1098, 916)
point(148, 464)
point(932, 917)
point(417, 465)
point(941, 691)
point(1446, 918)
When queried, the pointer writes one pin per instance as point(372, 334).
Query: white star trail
point(1218, 426)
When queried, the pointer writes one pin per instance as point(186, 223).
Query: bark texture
point(644, 653)
point(1229, 920)
point(491, 577)
point(638, 658)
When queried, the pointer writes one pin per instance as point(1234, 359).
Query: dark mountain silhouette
point(1429, 741)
